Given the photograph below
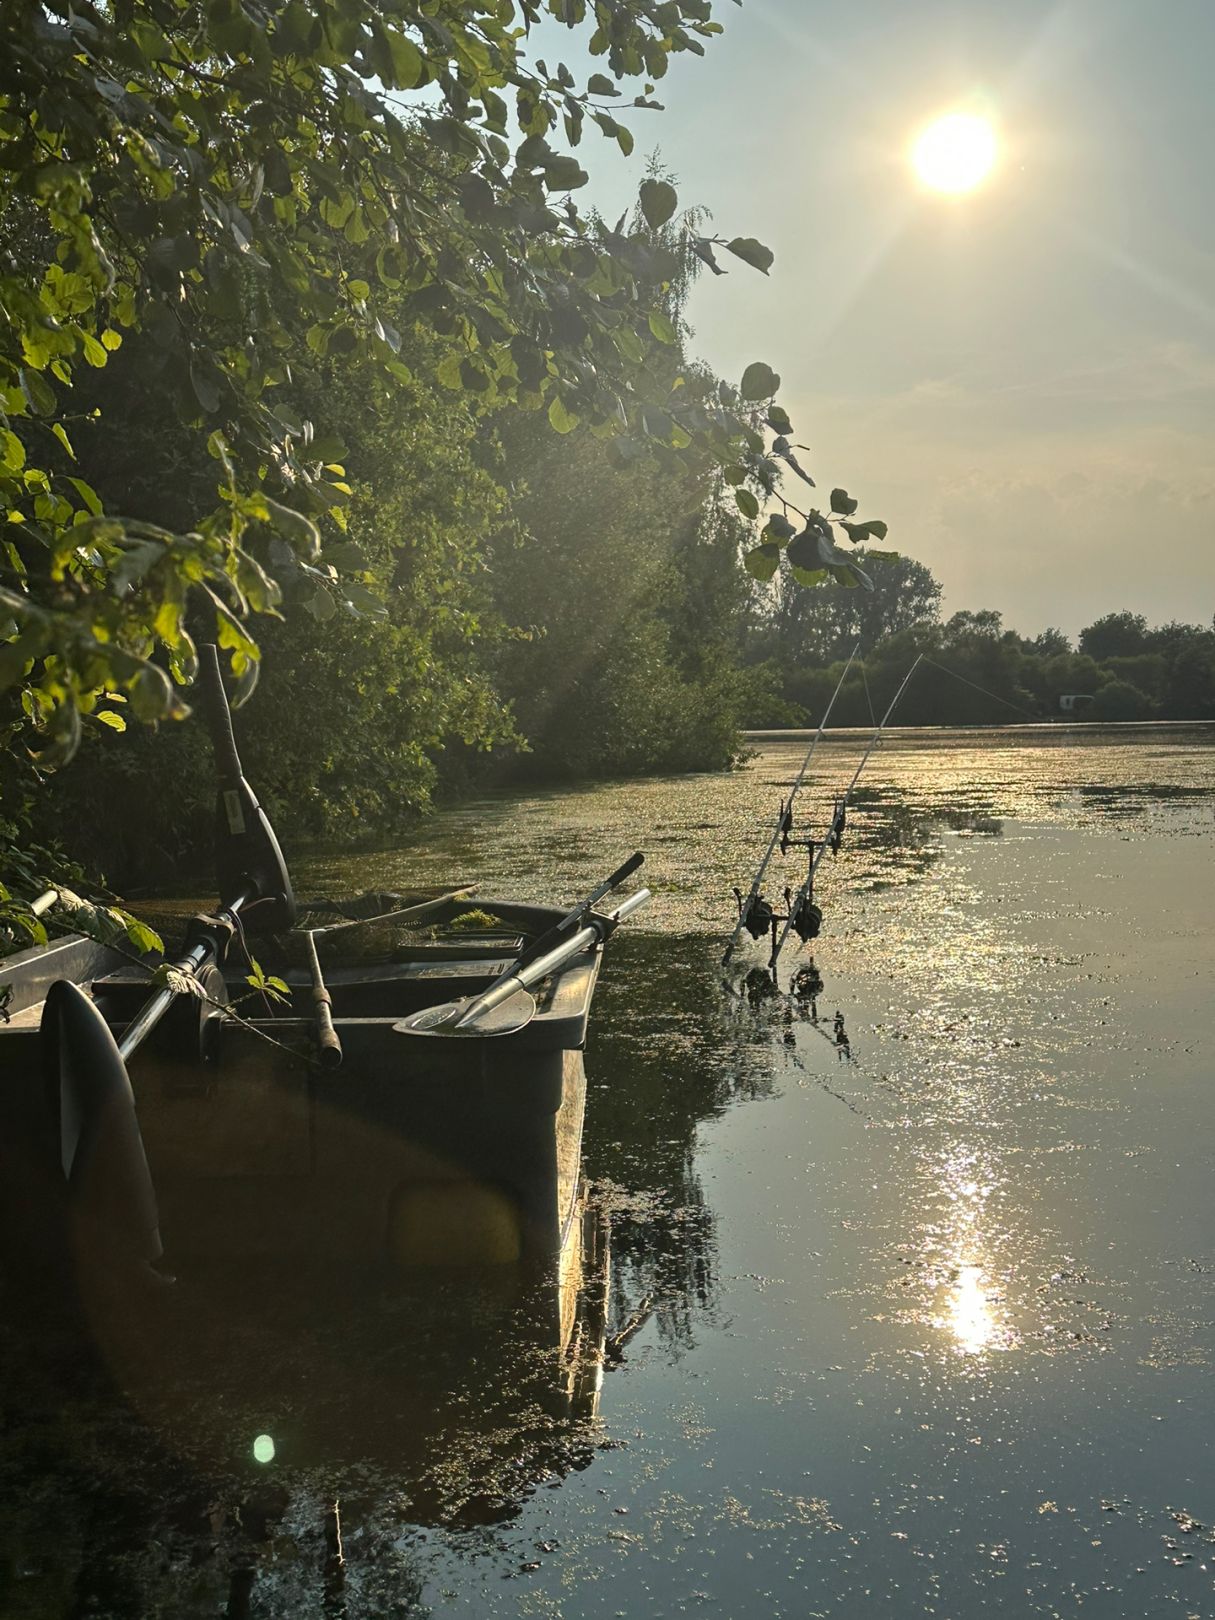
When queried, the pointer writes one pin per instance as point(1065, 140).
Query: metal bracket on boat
point(213, 933)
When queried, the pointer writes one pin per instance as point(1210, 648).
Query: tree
point(1049, 642)
point(1117, 635)
point(824, 624)
point(249, 188)
point(1119, 700)
point(1189, 692)
point(963, 627)
point(354, 710)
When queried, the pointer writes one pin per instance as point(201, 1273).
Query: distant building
point(1071, 702)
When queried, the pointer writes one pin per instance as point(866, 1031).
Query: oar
point(507, 1005)
point(322, 1003)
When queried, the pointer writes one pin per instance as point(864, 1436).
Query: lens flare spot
point(263, 1449)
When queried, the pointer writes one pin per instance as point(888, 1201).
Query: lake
point(918, 1321)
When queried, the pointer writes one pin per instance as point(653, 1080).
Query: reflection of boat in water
point(263, 1441)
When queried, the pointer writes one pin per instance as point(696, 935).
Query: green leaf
point(759, 381)
point(562, 420)
point(778, 420)
point(60, 432)
point(779, 529)
point(346, 556)
point(813, 548)
point(752, 252)
point(746, 503)
point(12, 451)
point(659, 201)
point(362, 599)
point(145, 940)
point(564, 174)
point(205, 384)
point(94, 352)
point(762, 562)
point(842, 502)
point(87, 494)
point(408, 66)
point(39, 394)
point(662, 327)
point(151, 693)
point(294, 526)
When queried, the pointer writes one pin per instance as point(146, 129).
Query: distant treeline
point(979, 672)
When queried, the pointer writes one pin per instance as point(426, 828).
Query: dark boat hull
point(419, 1150)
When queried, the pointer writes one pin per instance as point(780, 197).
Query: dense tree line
point(525, 607)
point(978, 672)
point(275, 276)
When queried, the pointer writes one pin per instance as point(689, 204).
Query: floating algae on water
point(923, 1333)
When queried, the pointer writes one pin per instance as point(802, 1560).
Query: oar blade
point(89, 1092)
point(507, 1018)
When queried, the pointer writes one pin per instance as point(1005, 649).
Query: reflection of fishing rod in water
point(803, 916)
point(754, 913)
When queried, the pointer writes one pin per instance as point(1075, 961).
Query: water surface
point(919, 1326)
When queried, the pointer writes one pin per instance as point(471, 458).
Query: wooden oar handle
point(326, 1036)
point(217, 713)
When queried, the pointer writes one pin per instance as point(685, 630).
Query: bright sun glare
point(955, 153)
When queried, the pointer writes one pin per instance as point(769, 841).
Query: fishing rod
point(803, 913)
point(747, 915)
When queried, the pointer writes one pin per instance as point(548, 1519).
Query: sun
point(955, 153)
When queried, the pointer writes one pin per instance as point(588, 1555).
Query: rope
point(966, 682)
point(868, 697)
point(367, 922)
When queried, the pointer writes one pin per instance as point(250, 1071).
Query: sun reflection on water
point(970, 1315)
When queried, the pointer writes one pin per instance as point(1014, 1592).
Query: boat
point(399, 1083)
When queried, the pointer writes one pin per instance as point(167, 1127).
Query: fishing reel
point(806, 919)
point(758, 917)
point(802, 916)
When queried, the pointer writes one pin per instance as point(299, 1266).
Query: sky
point(1020, 380)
